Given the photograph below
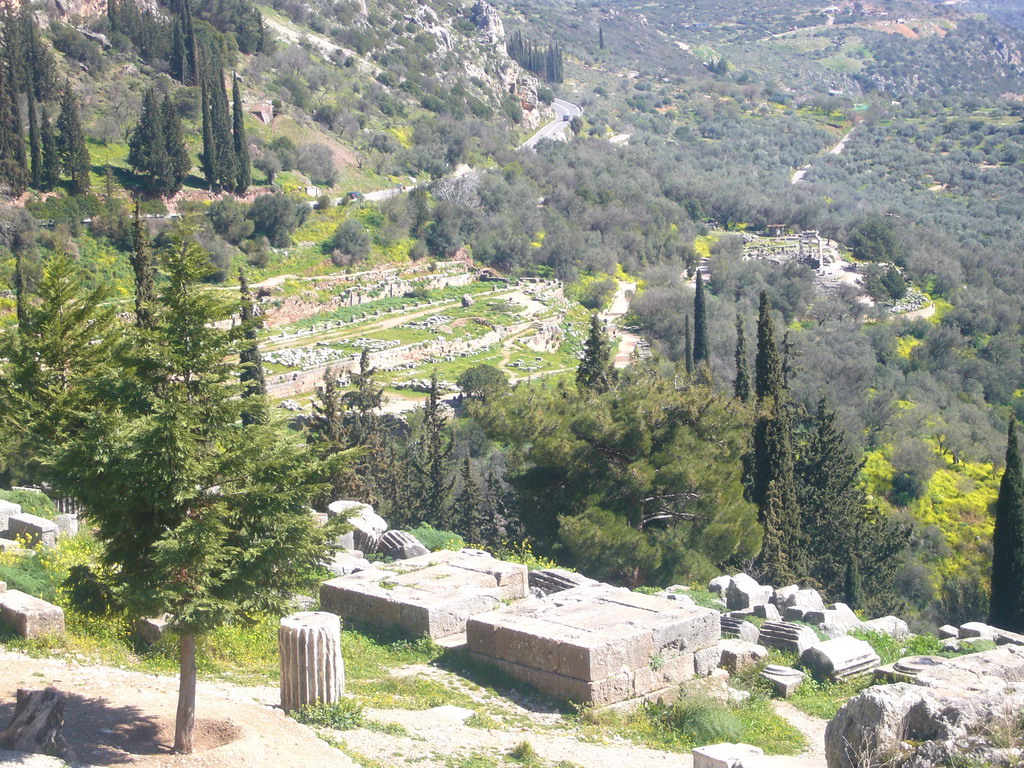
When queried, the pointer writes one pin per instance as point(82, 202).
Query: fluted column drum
point(312, 670)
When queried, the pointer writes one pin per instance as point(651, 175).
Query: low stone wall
point(597, 645)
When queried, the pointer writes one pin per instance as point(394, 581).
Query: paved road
point(564, 112)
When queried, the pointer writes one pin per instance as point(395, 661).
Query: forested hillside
point(319, 153)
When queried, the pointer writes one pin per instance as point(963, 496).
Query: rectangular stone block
point(29, 616)
point(37, 530)
point(7, 508)
point(432, 595)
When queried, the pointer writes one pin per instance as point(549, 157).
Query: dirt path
point(116, 717)
point(798, 175)
point(813, 729)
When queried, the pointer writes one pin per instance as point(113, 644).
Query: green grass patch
point(343, 715)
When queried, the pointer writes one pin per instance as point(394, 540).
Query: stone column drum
point(312, 670)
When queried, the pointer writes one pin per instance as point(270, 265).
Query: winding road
point(565, 111)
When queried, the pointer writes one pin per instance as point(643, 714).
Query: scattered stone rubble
point(840, 659)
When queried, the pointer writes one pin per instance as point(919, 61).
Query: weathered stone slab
point(1006, 637)
point(719, 585)
point(345, 563)
point(908, 668)
point(744, 630)
point(7, 508)
point(38, 531)
point(29, 616)
point(401, 545)
point(678, 593)
point(547, 581)
point(976, 629)
point(739, 655)
point(724, 755)
point(596, 644)
point(791, 638)
point(839, 659)
point(744, 592)
point(706, 661)
point(947, 631)
point(150, 630)
point(433, 594)
point(768, 611)
point(785, 680)
point(9, 545)
point(780, 595)
point(987, 670)
point(888, 625)
point(805, 600)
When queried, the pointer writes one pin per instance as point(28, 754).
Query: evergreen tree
point(853, 588)
point(701, 344)
point(432, 463)
point(73, 152)
point(741, 386)
point(767, 366)
point(13, 169)
point(1006, 604)
point(327, 422)
point(39, 66)
point(254, 383)
point(223, 143)
point(781, 557)
point(600, 38)
point(363, 401)
point(209, 156)
point(190, 69)
point(596, 373)
point(179, 59)
point(243, 168)
point(147, 146)
point(468, 509)
point(35, 148)
point(199, 516)
point(179, 163)
point(687, 345)
point(51, 152)
point(496, 509)
point(20, 289)
point(142, 264)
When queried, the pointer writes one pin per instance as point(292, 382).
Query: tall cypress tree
point(432, 463)
point(243, 168)
point(853, 588)
point(147, 146)
point(596, 372)
point(51, 151)
point(73, 151)
point(35, 148)
point(1006, 605)
point(179, 163)
point(767, 367)
point(142, 264)
point(600, 38)
point(254, 383)
point(179, 60)
point(209, 156)
point(191, 74)
point(13, 169)
point(701, 345)
point(687, 345)
point(741, 386)
point(223, 142)
point(468, 508)
point(20, 289)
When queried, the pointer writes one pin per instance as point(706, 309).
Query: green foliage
point(701, 720)
point(71, 143)
point(343, 715)
point(482, 381)
point(873, 239)
point(26, 573)
point(32, 502)
point(435, 540)
point(1006, 606)
point(595, 373)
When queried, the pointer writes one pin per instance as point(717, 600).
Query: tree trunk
point(185, 722)
point(37, 723)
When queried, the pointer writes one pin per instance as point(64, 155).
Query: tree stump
point(312, 670)
point(37, 723)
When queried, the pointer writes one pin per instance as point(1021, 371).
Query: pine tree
point(51, 152)
point(767, 368)
point(254, 383)
point(701, 345)
point(142, 264)
point(327, 423)
point(364, 400)
point(432, 463)
point(199, 516)
point(495, 509)
point(468, 509)
point(179, 163)
point(687, 345)
point(741, 386)
point(209, 156)
point(13, 168)
point(1006, 604)
point(243, 168)
point(73, 152)
point(596, 373)
point(35, 149)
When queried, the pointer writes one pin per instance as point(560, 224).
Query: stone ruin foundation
point(432, 594)
point(597, 644)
